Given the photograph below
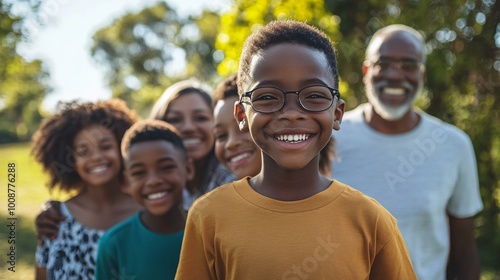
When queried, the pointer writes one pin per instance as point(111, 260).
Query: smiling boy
point(157, 168)
point(289, 221)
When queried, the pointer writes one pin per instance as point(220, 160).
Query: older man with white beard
point(421, 169)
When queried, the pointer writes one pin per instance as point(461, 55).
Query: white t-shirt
point(419, 176)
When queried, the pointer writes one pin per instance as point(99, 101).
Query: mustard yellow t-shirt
point(235, 233)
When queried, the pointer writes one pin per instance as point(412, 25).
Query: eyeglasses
point(406, 66)
point(314, 98)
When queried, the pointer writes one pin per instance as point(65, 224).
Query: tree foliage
point(463, 66)
point(23, 84)
point(22, 90)
point(246, 15)
point(139, 52)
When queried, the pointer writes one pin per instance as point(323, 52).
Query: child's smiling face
point(157, 172)
point(290, 67)
point(234, 148)
point(97, 156)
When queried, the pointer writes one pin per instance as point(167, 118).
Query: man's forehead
point(402, 42)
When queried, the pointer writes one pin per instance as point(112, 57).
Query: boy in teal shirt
point(147, 246)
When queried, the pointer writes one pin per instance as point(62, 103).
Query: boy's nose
point(153, 180)
point(292, 107)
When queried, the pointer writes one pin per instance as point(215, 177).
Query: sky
point(64, 42)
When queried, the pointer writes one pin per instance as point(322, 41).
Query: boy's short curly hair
point(53, 141)
point(151, 130)
point(225, 89)
point(285, 31)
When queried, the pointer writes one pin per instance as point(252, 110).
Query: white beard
point(390, 113)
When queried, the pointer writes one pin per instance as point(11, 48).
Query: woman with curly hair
point(79, 148)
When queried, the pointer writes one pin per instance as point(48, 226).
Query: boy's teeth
point(293, 137)
point(156, 195)
point(394, 91)
point(239, 157)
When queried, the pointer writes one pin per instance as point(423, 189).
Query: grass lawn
point(31, 192)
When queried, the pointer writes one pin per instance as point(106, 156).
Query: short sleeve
point(196, 260)
point(393, 260)
point(465, 200)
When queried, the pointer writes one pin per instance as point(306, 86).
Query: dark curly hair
point(53, 141)
point(226, 88)
point(285, 31)
point(151, 130)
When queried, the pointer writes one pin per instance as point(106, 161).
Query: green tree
point(245, 15)
point(463, 69)
point(23, 88)
point(23, 84)
point(138, 51)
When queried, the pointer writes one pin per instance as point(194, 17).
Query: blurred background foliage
point(23, 84)
point(140, 53)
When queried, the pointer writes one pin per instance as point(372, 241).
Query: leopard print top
point(73, 254)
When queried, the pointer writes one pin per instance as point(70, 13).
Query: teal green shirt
point(131, 251)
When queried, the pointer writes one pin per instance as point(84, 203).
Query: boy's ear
point(240, 116)
point(339, 113)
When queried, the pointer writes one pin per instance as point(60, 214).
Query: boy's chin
point(161, 211)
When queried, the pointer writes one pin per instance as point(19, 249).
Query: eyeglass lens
point(270, 99)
